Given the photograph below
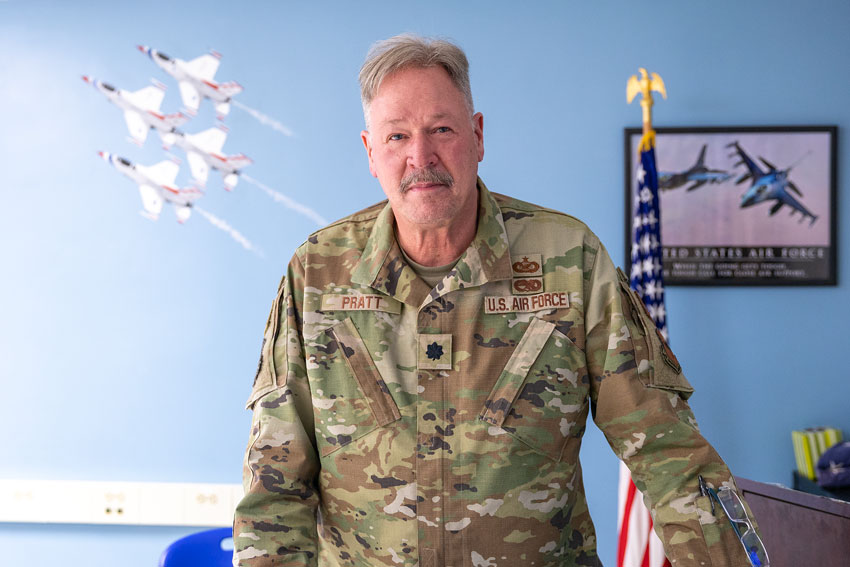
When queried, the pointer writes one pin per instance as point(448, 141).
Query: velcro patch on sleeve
point(360, 302)
point(526, 303)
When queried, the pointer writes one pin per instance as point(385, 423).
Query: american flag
point(645, 276)
point(638, 546)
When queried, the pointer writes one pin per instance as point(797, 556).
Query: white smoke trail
point(287, 202)
point(264, 119)
point(235, 234)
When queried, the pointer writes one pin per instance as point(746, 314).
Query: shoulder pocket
point(657, 366)
point(266, 378)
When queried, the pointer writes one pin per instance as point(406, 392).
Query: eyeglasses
point(741, 523)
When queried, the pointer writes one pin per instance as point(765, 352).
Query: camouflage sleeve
point(275, 522)
point(639, 402)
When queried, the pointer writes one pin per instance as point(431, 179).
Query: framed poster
point(742, 205)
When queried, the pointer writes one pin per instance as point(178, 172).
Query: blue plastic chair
point(203, 549)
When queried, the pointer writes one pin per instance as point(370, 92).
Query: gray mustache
point(426, 175)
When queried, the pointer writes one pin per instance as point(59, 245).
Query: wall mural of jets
point(195, 79)
point(770, 185)
point(141, 109)
point(698, 174)
point(142, 113)
point(156, 186)
point(203, 151)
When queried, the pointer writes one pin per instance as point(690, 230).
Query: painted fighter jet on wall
point(141, 109)
point(156, 186)
point(771, 185)
point(195, 79)
point(203, 151)
point(698, 173)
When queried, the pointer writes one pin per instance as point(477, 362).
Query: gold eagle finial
point(645, 85)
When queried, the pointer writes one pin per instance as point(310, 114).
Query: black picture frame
point(720, 227)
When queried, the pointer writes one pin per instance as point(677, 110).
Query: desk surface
point(798, 528)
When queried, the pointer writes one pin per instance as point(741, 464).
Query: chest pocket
point(540, 397)
point(350, 398)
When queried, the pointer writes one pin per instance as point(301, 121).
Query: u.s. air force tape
point(526, 303)
point(360, 302)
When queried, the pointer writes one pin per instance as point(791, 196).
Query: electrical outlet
point(139, 503)
point(115, 503)
point(207, 505)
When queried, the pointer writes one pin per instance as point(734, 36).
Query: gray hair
point(409, 50)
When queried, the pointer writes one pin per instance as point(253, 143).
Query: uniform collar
point(382, 266)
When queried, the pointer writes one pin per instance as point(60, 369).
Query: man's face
point(424, 147)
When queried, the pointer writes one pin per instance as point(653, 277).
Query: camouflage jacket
point(395, 424)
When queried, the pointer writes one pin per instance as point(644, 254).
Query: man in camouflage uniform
point(429, 364)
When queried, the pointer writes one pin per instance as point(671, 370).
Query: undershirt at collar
point(430, 275)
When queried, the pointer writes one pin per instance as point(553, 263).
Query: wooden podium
point(799, 529)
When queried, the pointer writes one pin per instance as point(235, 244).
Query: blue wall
point(128, 347)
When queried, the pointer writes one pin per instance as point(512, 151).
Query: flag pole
point(638, 545)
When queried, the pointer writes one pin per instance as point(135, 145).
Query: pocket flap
point(266, 379)
point(363, 368)
point(510, 381)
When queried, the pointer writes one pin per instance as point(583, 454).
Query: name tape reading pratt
point(339, 302)
point(526, 303)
